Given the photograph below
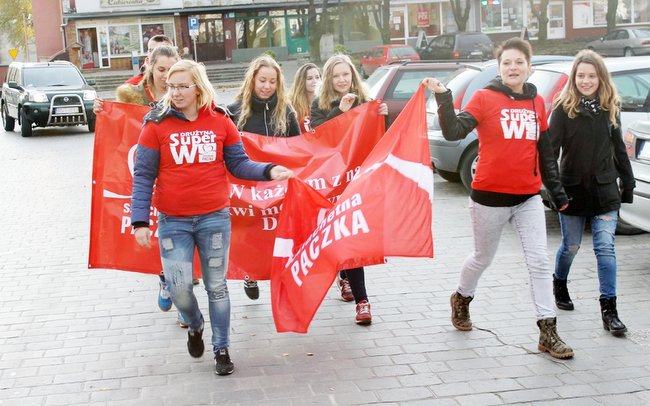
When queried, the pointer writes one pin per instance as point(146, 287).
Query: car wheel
point(25, 126)
point(91, 125)
point(453, 177)
point(7, 122)
point(628, 52)
point(468, 166)
point(625, 228)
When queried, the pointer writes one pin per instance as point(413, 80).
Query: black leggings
point(357, 280)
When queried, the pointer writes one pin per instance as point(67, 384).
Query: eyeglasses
point(181, 88)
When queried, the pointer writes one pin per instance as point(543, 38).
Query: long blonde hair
point(608, 97)
point(327, 93)
point(161, 50)
point(298, 93)
point(247, 91)
point(206, 94)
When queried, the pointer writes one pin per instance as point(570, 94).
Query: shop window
point(124, 39)
point(424, 17)
point(641, 11)
point(501, 15)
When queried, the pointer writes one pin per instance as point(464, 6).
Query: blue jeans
point(210, 233)
point(603, 228)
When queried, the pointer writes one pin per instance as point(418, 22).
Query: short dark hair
point(518, 44)
point(162, 38)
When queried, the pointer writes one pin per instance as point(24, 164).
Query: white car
point(637, 140)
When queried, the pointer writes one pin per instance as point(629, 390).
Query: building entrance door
point(297, 35)
point(556, 20)
point(210, 44)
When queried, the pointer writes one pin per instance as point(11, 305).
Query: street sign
point(14, 53)
point(193, 25)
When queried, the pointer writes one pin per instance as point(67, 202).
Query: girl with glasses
point(185, 148)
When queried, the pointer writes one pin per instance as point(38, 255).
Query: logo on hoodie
point(193, 146)
point(519, 123)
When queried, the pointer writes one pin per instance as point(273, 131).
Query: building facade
point(111, 31)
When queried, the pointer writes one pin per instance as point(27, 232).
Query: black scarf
point(592, 106)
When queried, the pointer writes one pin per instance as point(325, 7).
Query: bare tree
point(461, 13)
point(540, 12)
point(612, 5)
point(15, 23)
point(381, 15)
point(316, 28)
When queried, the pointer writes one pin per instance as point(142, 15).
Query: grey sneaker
point(222, 363)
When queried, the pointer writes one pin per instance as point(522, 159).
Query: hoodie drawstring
point(536, 139)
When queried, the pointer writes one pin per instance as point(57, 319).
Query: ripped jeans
point(603, 227)
point(210, 233)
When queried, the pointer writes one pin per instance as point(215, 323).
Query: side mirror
point(14, 85)
point(91, 82)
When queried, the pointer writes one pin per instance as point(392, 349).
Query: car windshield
point(642, 33)
point(52, 76)
point(376, 81)
point(398, 52)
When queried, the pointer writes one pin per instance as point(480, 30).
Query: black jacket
point(593, 157)
point(260, 121)
point(320, 116)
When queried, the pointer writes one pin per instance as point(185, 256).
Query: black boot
point(561, 293)
point(611, 322)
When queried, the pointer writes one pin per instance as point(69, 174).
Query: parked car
point(381, 55)
point(459, 45)
point(397, 82)
point(637, 140)
point(623, 42)
point(455, 161)
point(45, 94)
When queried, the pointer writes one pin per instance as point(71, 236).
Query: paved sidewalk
point(73, 336)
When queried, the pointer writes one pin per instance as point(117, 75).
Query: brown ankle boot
point(550, 341)
point(460, 312)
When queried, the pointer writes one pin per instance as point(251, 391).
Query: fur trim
point(127, 93)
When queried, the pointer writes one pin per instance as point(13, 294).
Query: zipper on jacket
point(266, 126)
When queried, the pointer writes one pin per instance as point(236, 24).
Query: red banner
point(385, 211)
point(327, 160)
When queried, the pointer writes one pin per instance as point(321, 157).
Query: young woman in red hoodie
point(185, 148)
point(515, 155)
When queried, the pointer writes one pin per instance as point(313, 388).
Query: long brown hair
point(298, 93)
point(608, 97)
point(247, 91)
point(327, 93)
point(162, 50)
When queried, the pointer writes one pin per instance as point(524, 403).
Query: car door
point(608, 44)
point(11, 95)
point(436, 49)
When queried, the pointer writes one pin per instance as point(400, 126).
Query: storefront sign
point(201, 3)
point(120, 3)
